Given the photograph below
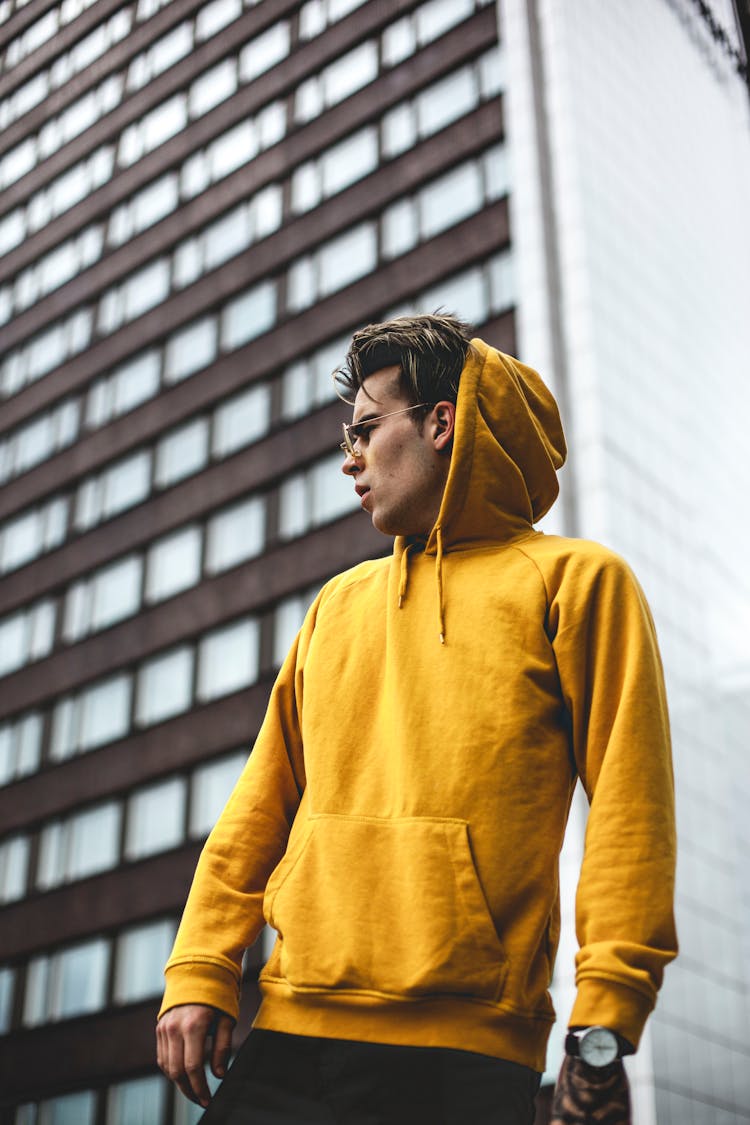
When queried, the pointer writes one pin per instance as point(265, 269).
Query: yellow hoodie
point(400, 818)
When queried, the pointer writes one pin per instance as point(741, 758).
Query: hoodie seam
point(538, 569)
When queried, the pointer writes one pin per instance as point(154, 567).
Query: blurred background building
point(200, 201)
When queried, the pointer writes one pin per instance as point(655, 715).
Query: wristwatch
point(597, 1046)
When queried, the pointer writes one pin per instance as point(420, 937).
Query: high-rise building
point(200, 201)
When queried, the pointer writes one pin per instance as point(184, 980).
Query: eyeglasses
point(347, 445)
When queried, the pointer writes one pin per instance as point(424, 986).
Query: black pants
point(299, 1080)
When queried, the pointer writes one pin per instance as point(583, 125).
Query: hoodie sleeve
point(612, 682)
point(224, 911)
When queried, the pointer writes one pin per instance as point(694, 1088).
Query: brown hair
point(430, 350)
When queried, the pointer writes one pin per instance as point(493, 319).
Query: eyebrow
point(365, 418)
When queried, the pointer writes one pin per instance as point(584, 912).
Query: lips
point(361, 490)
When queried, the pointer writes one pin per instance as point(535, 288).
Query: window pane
point(6, 999)
point(235, 534)
point(14, 866)
point(228, 659)
point(241, 420)
point(400, 228)
point(83, 979)
point(135, 382)
point(450, 199)
point(174, 564)
point(225, 238)
point(64, 738)
point(332, 493)
point(21, 540)
point(190, 349)
point(210, 787)
point(212, 87)
point(182, 452)
point(464, 293)
point(137, 1102)
point(350, 160)
point(116, 592)
point(350, 73)
point(264, 52)
point(156, 817)
point(71, 1109)
point(446, 101)
point(141, 955)
point(35, 996)
point(126, 483)
point(105, 712)
point(248, 316)
point(287, 621)
point(294, 516)
point(165, 686)
point(14, 642)
point(28, 743)
point(94, 840)
point(347, 258)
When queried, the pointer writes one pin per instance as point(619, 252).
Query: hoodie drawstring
point(404, 579)
point(439, 580)
point(404, 575)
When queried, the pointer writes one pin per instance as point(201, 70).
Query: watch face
point(598, 1047)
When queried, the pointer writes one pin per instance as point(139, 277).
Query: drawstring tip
point(400, 600)
point(442, 638)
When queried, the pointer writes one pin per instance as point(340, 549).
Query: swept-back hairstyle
point(430, 350)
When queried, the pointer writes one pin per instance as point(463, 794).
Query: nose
point(350, 466)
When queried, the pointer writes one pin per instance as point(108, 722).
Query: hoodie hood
point(508, 447)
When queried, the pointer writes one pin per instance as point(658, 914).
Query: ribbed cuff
point(201, 982)
point(611, 1005)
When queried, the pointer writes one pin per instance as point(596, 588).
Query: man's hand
point(589, 1095)
point(182, 1036)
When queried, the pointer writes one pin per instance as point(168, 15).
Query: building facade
point(200, 201)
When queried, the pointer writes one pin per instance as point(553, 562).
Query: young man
point(400, 818)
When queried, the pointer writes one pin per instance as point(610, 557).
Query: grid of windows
point(401, 127)
point(156, 817)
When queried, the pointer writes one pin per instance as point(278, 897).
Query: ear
point(444, 424)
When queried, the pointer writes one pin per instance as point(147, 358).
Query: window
point(20, 746)
point(211, 785)
point(137, 1101)
point(264, 52)
point(235, 534)
point(115, 592)
point(350, 73)
point(213, 17)
point(67, 984)
point(6, 999)
point(99, 714)
point(141, 955)
point(320, 494)
point(174, 563)
point(332, 494)
point(446, 101)
point(241, 420)
point(450, 198)
point(156, 817)
point(190, 349)
point(84, 844)
point(182, 452)
point(33, 532)
point(14, 867)
point(335, 264)
point(400, 228)
point(164, 686)
point(126, 483)
point(26, 636)
point(248, 316)
point(212, 87)
point(465, 292)
point(228, 659)
point(287, 621)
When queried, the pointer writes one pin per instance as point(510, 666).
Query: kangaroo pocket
point(387, 906)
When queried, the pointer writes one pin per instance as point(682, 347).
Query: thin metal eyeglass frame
point(347, 445)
